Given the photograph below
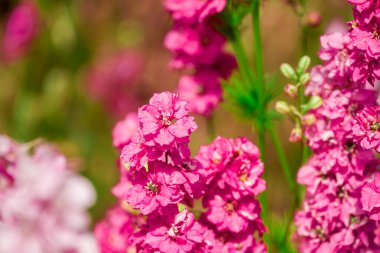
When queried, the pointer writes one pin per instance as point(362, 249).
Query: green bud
point(305, 78)
point(314, 102)
point(282, 107)
point(303, 64)
point(288, 71)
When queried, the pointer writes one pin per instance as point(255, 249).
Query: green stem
point(241, 58)
point(257, 45)
point(282, 157)
point(211, 132)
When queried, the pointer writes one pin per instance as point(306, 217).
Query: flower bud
point(309, 119)
point(291, 90)
point(305, 78)
point(303, 64)
point(314, 102)
point(282, 107)
point(288, 71)
point(295, 135)
point(313, 19)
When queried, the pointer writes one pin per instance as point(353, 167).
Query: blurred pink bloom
point(115, 232)
point(193, 11)
point(193, 46)
point(336, 26)
point(113, 82)
point(124, 130)
point(20, 30)
point(45, 207)
point(203, 91)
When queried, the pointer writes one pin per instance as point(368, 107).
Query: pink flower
point(233, 162)
point(155, 188)
point(192, 11)
point(174, 232)
point(231, 214)
point(367, 128)
point(20, 30)
point(193, 46)
point(56, 200)
point(114, 232)
point(335, 52)
point(203, 91)
point(124, 130)
point(364, 68)
point(371, 197)
point(367, 40)
point(214, 157)
point(165, 120)
point(113, 80)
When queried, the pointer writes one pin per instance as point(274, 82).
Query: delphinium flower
point(365, 40)
point(340, 201)
point(196, 45)
point(113, 80)
point(161, 182)
point(124, 130)
point(232, 173)
point(114, 233)
point(366, 128)
point(20, 30)
point(44, 206)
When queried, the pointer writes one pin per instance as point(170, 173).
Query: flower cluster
point(113, 82)
point(354, 56)
point(339, 212)
point(53, 216)
point(196, 45)
point(232, 172)
point(20, 30)
point(161, 181)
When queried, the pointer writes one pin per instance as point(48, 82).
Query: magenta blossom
point(367, 128)
point(113, 80)
point(20, 30)
point(192, 11)
point(193, 46)
point(114, 232)
point(157, 187)
point(174, 232)
point(165, 120)
point(230, 214)
point(124, 130)
point(203, 91)
point(371, 197)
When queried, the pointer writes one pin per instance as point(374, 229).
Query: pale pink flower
point(56, 201)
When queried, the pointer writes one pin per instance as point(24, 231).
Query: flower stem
point(211, 132)
point(283, 161)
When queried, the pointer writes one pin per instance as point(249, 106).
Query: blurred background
point(70, 69)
